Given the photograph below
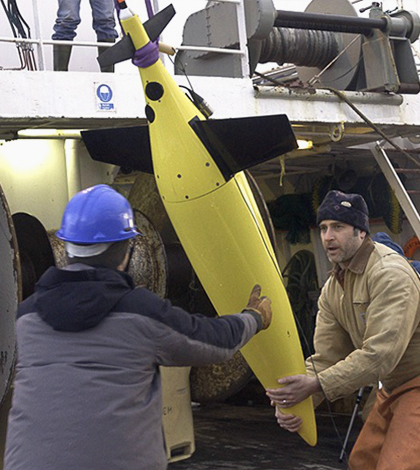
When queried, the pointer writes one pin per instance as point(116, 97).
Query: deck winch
point(329, 43)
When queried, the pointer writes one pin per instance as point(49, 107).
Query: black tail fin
point(124, 49)
point(158, 23)
point(128, 147)
point(240, 143)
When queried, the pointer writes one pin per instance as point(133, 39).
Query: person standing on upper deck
point(67, 21)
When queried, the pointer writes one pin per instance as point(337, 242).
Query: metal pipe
point(40, 49)
point(74, 180)
point(38, 133)
point(242, 35)
point(327, 22)
point(353, 417)
point(397, 186)
point(51, 42)
point(216, 50)
point(325, 96)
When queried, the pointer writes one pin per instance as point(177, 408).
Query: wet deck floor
point(235, 436)
point(248, 438)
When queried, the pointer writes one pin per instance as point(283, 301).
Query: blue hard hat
point(97, 215)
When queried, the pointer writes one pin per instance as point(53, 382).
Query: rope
point(376, 128)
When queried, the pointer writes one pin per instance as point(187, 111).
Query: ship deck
point(247, 437)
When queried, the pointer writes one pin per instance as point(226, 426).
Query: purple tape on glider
point(147, 55)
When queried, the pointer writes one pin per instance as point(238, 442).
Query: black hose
point(19, 26)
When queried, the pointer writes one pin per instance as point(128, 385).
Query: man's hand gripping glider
point(293, 390)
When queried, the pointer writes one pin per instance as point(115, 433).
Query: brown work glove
point(260, 306)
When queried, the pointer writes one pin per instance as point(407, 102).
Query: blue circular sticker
point(104, 93)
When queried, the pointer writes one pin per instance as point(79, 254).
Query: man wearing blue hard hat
point(87, 391)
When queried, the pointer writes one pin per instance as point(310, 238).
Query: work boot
point(61, 55)
point(108, 68)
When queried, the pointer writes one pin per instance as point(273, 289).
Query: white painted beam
point(72, 95)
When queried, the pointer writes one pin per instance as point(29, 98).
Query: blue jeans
point(68, 18)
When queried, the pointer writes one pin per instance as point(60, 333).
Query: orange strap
point(411, 247)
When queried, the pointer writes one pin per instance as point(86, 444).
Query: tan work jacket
point(368, 330)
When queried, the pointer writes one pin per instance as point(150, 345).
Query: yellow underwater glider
point(198, 165)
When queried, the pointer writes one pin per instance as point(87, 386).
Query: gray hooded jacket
point(87, 389)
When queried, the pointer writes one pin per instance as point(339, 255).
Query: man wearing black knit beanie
point(367, 332)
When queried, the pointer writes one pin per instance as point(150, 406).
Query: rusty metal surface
point(216, 382)
point(58, 249)
point(144, 197)
point(10, 294)
point(148, 265)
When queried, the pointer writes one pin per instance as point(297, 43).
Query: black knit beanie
point(348, 208)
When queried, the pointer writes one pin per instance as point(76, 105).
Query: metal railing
point(39, 43)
